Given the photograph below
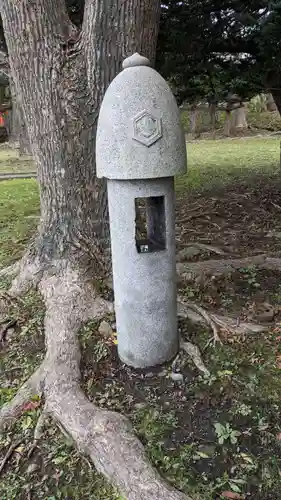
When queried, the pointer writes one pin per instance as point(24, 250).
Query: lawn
point(208, 436)
point(214, 163)
point(12, 161)
point(19, 213)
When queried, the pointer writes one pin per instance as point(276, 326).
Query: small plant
point(152, 424)
point(250, 274)
point(225, 432)
point(100, 351)
point(235, 485)
point(226, 301)
point(190, 292)
point(242, 409)
point(208, 380)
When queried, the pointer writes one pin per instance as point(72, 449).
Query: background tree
point(61, 71)
point(14, 118)
point(211, 48)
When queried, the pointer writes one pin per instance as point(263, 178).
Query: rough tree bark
point(15, 124)
point(235, 114)
point(238, 119)
point(193, 119)
point(276, 93)
point(61, 74)
point(270, 104)
point(227, 125)
point(213, 115)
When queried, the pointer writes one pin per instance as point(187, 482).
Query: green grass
point(11, 161)
point(19, 210)
point(220, 162)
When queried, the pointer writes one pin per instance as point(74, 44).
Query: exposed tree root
point(5, 327)
point(30, 272)
point(219, 268)
point(38, 432)
point(9, 454)
point(205, 248)
point(193, 351)
point(208, 248)
point(105, 436)
point(185, 306)
point(12, 410)
point(10, 270)
point(197, 314)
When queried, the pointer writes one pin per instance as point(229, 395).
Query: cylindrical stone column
point(140, 147)
point(144, 282)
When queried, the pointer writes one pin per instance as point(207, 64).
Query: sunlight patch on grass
point(221, 162)
point(12, 162)
point(19, 211)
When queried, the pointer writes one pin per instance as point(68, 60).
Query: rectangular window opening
point(150, 227)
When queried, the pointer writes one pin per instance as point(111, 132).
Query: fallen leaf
point(278, 362)
point(278, 437)
point(230, 494)
point(32, 405)
point(20, 449)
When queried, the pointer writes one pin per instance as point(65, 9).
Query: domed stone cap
point(135, 60)
point(139, 133)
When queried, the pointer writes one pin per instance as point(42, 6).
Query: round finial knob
point(135, 60)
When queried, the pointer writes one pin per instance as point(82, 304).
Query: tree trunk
point(213, 115)
point(238, 119)
point(193, 120)
point(227, 124)
point(276, 93)
point(60, 75)
point(15, 124)
point(273, 83)
point(270, 104)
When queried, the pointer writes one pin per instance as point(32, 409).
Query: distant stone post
point(140, 147)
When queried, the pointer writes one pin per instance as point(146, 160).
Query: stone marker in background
point(140, 147)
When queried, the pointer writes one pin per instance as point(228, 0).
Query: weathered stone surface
point(144, 283)
point(147, 128)
point(140, 147)
point(139, 132)
point(135, 60)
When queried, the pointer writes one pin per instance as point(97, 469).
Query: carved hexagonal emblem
point(147, 128)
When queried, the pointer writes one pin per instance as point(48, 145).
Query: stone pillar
point(140, 147)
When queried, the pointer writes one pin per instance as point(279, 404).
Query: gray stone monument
point(140, 147)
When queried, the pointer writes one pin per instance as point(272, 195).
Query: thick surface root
point(197, 314)
point(219, 268)
point(9, 271)
point(12, 410)
point(193, 351)
point(105, 436)
point(208, 318)
point(30, 272)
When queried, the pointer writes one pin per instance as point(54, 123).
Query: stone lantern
point(140, 148)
